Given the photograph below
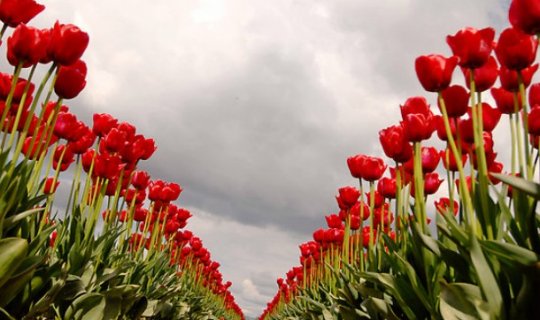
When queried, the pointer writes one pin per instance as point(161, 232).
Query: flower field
point(444, 227)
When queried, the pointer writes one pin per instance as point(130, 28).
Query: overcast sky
point(255, 104)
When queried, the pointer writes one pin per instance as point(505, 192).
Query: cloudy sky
point(255, 105)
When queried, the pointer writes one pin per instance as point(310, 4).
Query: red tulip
point(373, 168)
point(114, 141)
point(534, 94)
point(509, 78)
point(490, 117)
point(432, 183)
point(348, 196)
point(355, 165)
point(68, 43)
point(387, 187)
point(451, 163)
point(50, 185)
point(525, 16)
point(103, 123)
point(14, 12)
point(534, 120)
point(484, 76)
point(378, 199)
point(66, 125)
point(456, 99)
point(435, 71)
point(25, 46)
point(505, 101)
point(395, 144)
point(441, 130)
point(334, 221)
point(382, 215)
point(140, 180)
point(516, 50)
point(318, 235)
point(495, 167)
point(472, 46)
point(70, 80)
point(443, 205)
point(84, 142)
point(418, 120)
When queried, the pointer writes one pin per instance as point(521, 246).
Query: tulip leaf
point(486, 278)
point(462, 301)
point(12, 253)
point(10, 221)
point(529, 187)
point(510, 253)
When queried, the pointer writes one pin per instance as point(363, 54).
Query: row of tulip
point(382, 256)
point(109, 243)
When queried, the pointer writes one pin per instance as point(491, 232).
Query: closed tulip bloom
point(510, 80)
point(435, 71)
point(50, 185)
point(395, 144)
point(387, 187)
point(68, 43)
point(25, 46)
point(334, 221)
point(472, 46)
point(432, 183)
point(417, 119)
point(449, 160)
point(349, 195)
point(318, 235)
point(70, 80)
point(103, 123)
point(484, 76)
point(534, 94)
point(373, 168)
point(140, 179)
point(525, 16)
point(430, 159)
point(516, 50)
point(504, 100)
point(490, 117)
point(441, 130)
point(443, 205)
point(14, 12)
point(114, 141)
point(355, 165)
point(66, 125)
point(378, 199)
point(534, 120)
point(495, 167)
point(456, 99)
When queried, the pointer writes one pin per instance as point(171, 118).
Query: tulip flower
point(525, 16)
point(355, 165)
point(510, 80)
point(418, 120)
point(432, 183)
point(103, 123)
point(435, 71)
point(451, 163)
point(472, 46)
point(348, 196)
point(387, 187)
point(373, 168)
point(68, 43)
point(50, 185)
point(534, 120)
point(14, 12)
point(504, 101)
point(443, 205)
point(25, 46)
point(395, 144)
point(516, 50)
point(334, 221)
point(484, 76)
point(70, 80)
point(534, 94)
point(456, 99)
